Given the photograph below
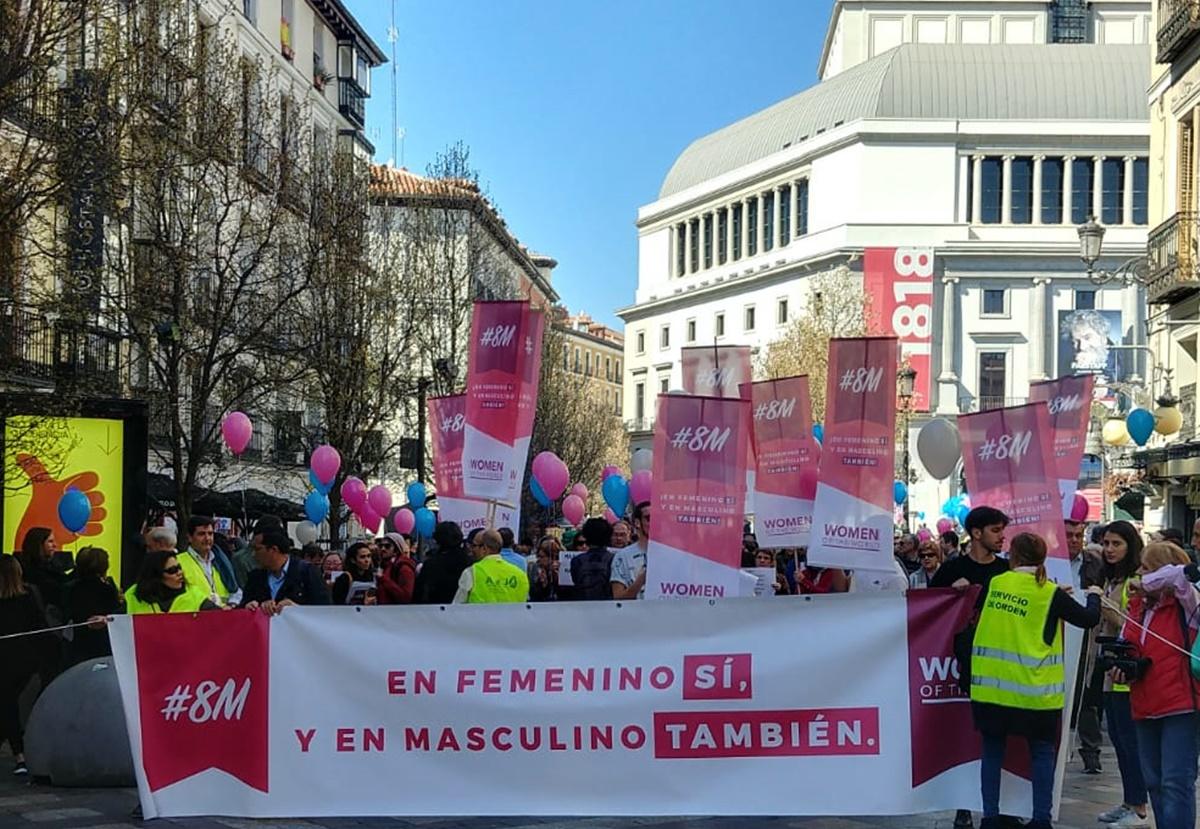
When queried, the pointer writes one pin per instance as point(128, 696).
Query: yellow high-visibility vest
point(1011, 664)
point(195, 577)
point(189, 602)
point(498, 582)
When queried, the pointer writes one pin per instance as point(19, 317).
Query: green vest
point(195, 578)
point(498, 582)
point(189, 602)
point(1011, 664)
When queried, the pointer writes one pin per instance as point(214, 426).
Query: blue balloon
point(316, 484)
point(316, 506)
point(1140, 424)
point(950, 506)
point(539, 495)
point(424, 523)
point(819, 432)
point(616, 493)
point(74, 510)
point(899, 492)
point(961, 511)
point(416, 495)
point(920, 516)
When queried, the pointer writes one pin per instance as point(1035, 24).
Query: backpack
point(591, 573)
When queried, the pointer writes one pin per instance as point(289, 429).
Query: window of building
point(680, 248)
point(1052, 194)
point(578, 365)
point(1022, 190)
point(641, 342)
point(781, 312)
point(664, 385)
point(617, 370)
point(737, 232)
point(1085, 300)
point(1082, 175)
point(785, 214)
point(287, 16)
point(318, 47)
point(802, 207)
point(992, 379)
point(587, 363)
point(995, 302)
point(752, 227)
point(691, 331)
point(639, 401)
point(1185, 196)
point(1141, 184)
point(606, 398)
point(719, 325)
point(707, 223)
point(617, 402)
point(748, 318)
point(566, 357)
point(722, 236)
point(694, 254)
point(664, 337)
point(991, 195)
point(1112, 193)
point(250, 9)
point(608, 368)
point(768, 208)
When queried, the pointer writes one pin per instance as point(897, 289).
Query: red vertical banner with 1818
point(899, 284)
point(1008, 458)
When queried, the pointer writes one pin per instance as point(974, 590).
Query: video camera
point(1121, 655)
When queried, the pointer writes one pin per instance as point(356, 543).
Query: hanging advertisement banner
point(786, 456)
point(1008, 459)
point(698, 497)
point(852, 512)
point(646, 690)
point(447, 424)
point(494, 442)
point(1069, 400)
point(899, 285)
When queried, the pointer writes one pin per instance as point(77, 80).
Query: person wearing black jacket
point(592, 571)
point(20, 612)
point(282, 578)
point(438, 580)
point(91, 594)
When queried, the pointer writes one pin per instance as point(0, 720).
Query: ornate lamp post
point(906, 380)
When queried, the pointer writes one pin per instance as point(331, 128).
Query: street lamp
point(906, 380)
point(1135, 270)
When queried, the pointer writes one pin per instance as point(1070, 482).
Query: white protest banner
point(619, 695)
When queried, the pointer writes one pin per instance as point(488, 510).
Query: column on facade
point(1098, 186)
point(794, 230)
point(1037, 329)
point(729, 240)
point(673, 257)
point(1127, 193)
point(1037, 188)
point(1006, 192)
point(762, 223)
point(976, 188)
point(687, 246)
point(948, 378)
point(705, 235)
point(746, 225)
point(1068, 178)
point(777, 239)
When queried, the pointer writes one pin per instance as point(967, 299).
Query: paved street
point(30, 805)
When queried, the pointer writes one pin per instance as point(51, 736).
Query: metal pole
point(422, 388)
point(907, 474)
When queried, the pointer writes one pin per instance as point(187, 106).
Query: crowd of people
point(1138, 601)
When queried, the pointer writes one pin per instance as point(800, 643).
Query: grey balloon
point(938, 447)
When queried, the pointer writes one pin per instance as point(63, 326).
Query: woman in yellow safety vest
point(1017, 671)
point(161, 588)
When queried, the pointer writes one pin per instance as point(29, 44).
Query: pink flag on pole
point(1070, 403)
point(786, 456)
point(1008, 457)
point(852, 513)
point(699, 492)
point(447, 419)
point(716, 370)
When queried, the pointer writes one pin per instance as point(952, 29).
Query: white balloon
point(938, 448)
point(306, 532)
point(677, 391)
point(643, 459)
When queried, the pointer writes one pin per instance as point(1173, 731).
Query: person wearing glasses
point(398, 577)
point(162, 588)
point(929, 556)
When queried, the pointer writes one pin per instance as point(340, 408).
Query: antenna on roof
point(393, 36)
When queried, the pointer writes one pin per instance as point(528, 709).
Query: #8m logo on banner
point(775, 409)
point(701, 438)
point(863, 380)
point(454, 424)
point(209, 702)
point(1067, 403)
point(498, 336)
point(1011, 447)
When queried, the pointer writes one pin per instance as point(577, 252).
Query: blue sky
point(574, 111)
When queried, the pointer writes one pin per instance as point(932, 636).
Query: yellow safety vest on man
point(497, 582)
point(196, 577)
point(1011, 664)
point(187, 602)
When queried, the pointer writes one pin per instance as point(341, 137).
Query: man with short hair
point(243, 560)
point(161, 540)
point(905, 549)
point(282, 579)
point(622, 535)
point(508, 553)
point(206, 567)
point(592, 571)
point(491, 579)
point(628, 572)
point(948, 541)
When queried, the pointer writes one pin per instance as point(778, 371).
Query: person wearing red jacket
point(399, 574)
point(1164, 697)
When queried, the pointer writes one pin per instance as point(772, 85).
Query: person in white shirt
point(628, 573)
point(622, 535)
point(892, 580)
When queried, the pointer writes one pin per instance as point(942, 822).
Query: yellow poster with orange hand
point(46, 456)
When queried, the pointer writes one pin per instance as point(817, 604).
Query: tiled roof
point(389, 181)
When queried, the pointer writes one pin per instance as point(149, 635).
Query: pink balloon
point(923, 534)
point(944, 525)
point(551, 474)
point(369, 519)
point(325, 463)
point(354, 493)
point(581, 491)
point(609, 471)
point(237, 429)
point(1079, 508)
point(404, 521)
point(640, 485)
point(380, 499)
point(573, 510)
point(610, 516)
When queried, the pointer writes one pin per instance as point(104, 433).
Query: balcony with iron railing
point(39, 351)
point(31, 103)
point(352, 103)
point(985, 403)
point(1171, 249)
point(639, 424)
point(258, 154)
point(295, 183)
point(1178, 25)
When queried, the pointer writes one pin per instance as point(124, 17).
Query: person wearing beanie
point(398, 577)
